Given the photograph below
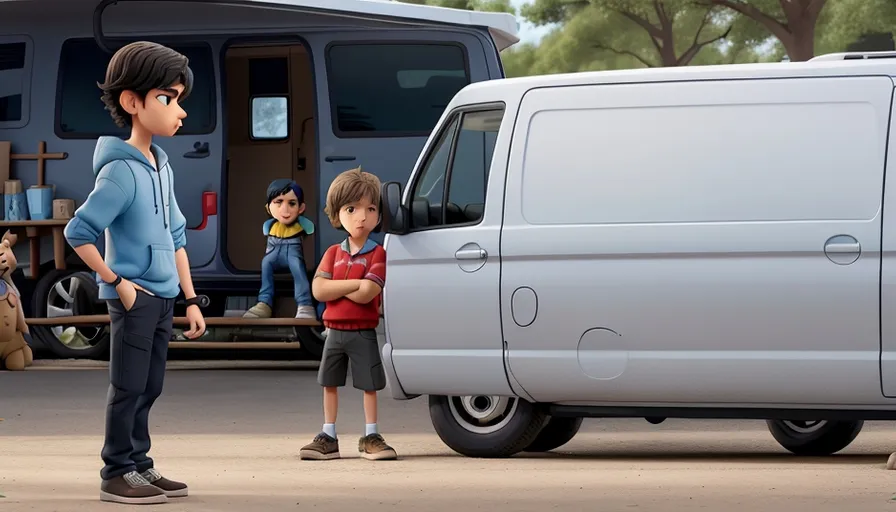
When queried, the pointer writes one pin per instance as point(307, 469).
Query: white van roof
point(841, 64)
point(502, 26)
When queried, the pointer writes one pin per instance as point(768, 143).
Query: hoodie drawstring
point(155, 201)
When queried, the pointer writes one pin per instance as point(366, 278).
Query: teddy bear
point(15, 354)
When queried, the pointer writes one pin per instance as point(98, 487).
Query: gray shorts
point(359, 347)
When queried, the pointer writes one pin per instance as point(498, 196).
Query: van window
point(395, 89)
point(14, 83)
point(81, 112)
point(608, 163)
point(269, 93)
point(462, 158)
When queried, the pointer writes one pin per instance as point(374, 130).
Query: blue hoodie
point(137, 209)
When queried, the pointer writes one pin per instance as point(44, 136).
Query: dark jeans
point(137, 362)
point(283, 255)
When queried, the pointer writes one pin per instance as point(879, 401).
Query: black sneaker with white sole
point(131, 489)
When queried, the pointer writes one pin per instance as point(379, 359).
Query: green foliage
point(590, 35)
point(644, 32)
point(843, 22)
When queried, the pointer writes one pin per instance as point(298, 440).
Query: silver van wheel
point(805, 427)
point(481, 414)
point(814, 438)
point(63, 293)
point(484, 425)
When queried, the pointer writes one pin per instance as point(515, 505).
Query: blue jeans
point(284, 254)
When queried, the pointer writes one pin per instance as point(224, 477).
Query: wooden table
point(34, 229)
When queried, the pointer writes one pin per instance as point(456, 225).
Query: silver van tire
point(502, 428)
point(66, 293)
point(555, 433)
point(814, 438)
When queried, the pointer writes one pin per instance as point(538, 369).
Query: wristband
point(194, 301)
point(116, 282)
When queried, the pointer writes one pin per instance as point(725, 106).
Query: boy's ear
point(128, 100)
point(267, 208)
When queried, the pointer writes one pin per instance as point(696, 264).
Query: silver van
point(300, 89)
point(701, 242)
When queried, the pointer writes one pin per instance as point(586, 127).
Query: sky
point(528, 32)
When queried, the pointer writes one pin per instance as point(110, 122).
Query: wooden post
point(5, 152)
point(41, 156)
point(59, 247)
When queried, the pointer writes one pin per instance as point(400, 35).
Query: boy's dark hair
point(350, 187)
point(282, 186)
point(141, 67)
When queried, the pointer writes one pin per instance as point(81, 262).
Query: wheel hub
point(482, 414)
point(805, 427)
point(68, 297)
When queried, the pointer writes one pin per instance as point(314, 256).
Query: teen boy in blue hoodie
point(145, 265)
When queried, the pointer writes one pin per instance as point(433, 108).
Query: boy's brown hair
point(349, 187)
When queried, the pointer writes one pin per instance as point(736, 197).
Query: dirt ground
point(233, 430)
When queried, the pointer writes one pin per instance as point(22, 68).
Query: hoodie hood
point(109, 149)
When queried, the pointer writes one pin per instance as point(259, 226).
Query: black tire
point(518, 431)
point(821, 439)
point(555, 433)
point(311, 341)
point(85, 302)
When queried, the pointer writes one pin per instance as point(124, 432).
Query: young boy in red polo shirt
point(349, 280)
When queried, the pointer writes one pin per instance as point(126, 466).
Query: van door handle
point(471, 254)
point(200, 150)
point(339, 158)
point(842, 248)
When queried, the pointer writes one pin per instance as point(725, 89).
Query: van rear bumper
point(391, 377)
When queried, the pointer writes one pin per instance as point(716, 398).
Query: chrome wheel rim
point(805, 427)
point(482, 414)
point(61, 303)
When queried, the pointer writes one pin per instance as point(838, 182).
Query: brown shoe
point(171, 488)
point(131, 489)
point(323, 447)
point(374, 447)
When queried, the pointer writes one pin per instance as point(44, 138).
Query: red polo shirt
point(338, 263)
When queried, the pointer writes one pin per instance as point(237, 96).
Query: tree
point(653, 32)
point(793, 22)
point(845, 23)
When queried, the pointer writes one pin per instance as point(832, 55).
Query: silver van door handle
point(471, 254)
point(843, 248)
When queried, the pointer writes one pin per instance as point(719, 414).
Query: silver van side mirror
point(395, 215)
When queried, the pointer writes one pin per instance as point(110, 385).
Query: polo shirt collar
point(369, 245)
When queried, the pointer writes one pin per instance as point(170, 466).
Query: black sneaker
point(323, 447)
point(131, 489)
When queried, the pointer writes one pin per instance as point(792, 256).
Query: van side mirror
point(395, 215)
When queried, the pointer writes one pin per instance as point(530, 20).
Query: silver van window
point(462, 158)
